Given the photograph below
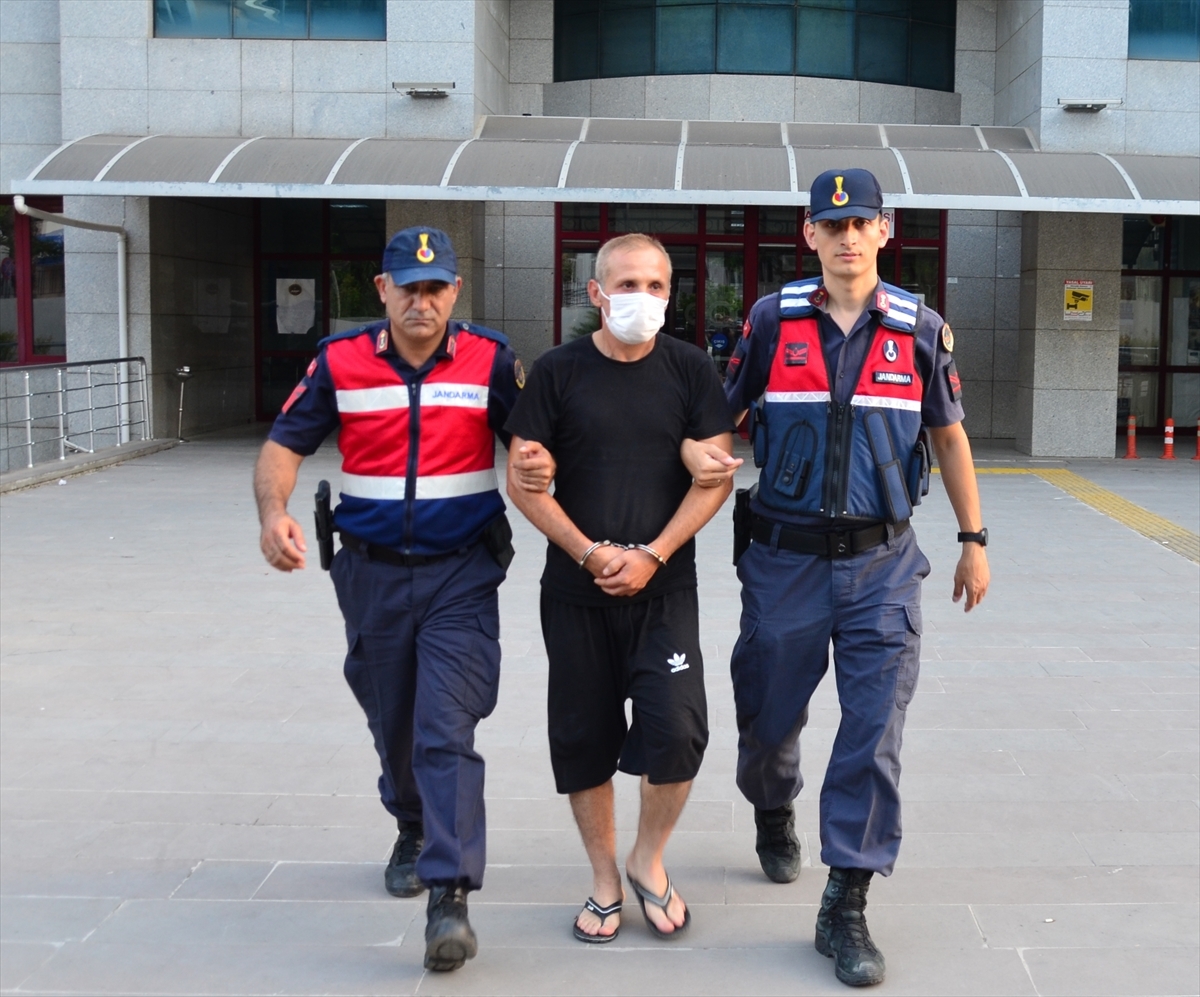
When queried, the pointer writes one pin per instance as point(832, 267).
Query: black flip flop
point(644, 896)
point(604, 913)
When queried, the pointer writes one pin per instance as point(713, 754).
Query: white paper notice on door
point(295, 305)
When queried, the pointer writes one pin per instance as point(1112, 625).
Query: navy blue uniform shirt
point(313, 415)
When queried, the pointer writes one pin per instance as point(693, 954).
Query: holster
point(324, 516)
point(742, 520)
point(497, 538)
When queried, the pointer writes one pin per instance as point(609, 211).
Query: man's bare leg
point(593, 809)
point(661, 807)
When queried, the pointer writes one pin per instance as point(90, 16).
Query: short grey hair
point(624, 243)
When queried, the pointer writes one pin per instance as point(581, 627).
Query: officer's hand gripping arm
point(972, 575)
point(281, 540)
point(533, 467)
point(707, 463)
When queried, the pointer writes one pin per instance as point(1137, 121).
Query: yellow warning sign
point(1077, 300)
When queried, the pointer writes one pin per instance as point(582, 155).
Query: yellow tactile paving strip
point(1143, 521)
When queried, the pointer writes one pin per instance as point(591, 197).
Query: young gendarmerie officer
point(425, 544)
point(619, 611)
point(845, 378)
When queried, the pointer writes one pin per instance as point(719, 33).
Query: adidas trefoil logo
point(678, 663)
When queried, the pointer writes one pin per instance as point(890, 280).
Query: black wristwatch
point(980, 538)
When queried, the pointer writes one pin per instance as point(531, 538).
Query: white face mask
point(635, 317)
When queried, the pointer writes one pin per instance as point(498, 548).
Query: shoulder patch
point(371, 328)
point(948, 338)
point(795, 298)
point(297, 391)
point(953, 381)
point(483, 331)
point(897, 307)
point(519, 373)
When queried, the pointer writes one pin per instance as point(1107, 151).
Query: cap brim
point(414, 275)
point(849, 211)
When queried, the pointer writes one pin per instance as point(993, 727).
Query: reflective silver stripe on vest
point(435, 486)
point(395, 396)
point(796, 396)
point(877, 401)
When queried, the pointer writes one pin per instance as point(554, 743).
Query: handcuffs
point(609, 543)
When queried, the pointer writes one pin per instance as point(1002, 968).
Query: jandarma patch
point(892, 377)
point(795, 354)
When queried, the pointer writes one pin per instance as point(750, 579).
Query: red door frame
point(23, 259)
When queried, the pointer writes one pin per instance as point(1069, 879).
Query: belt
point(844, 543)
point(387, 555)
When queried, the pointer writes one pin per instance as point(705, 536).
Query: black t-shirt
point(615, 430)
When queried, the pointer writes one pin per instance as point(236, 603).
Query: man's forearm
point(958, 475)
point(699, 505)
point(275, 479)
point(544, 512)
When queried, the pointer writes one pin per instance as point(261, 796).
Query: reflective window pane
point(885, 265)
point(776, 266)
point(720, 220)
point(920, 223)
point(724, 278)
point(825, 43)
point(627, 42)
point(353, 297)
point(193, 18)
point(681, 311)
point(581, 217)
point(291, 226)
point(1164, 29)
point(1142, 244)
point(8, 286)
point(931, 56)
point(1137, 394)
point(576, 40)
point(270, 18)
point(1183, 398)
point(292, 305)
point(1183, 322)
point(810, 265)
point(49, 295)
point(1185, 243)
point(668, 219)
point(358, 228)
point(363, 19)
point(777, 221)
point(686, 39)
point(882, 51)
point(919, 273)
point(753, 38)
point(579, 316)
point(1140, 320)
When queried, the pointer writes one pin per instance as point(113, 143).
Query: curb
point(40, 474)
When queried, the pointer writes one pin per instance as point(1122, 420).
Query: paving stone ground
point(188, 802)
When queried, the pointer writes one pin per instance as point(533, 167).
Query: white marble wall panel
point(195, 64)
point(266, 65)
point(825, 100)
point(116, 112)
point(431, 21)
point(267, 113)
point(194, 112)
point(30, 99)
point(340, 67)
point(751, 98)
point(886, 104)
point(342, 115)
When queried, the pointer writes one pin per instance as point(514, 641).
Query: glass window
point(358, 19)
point(1183, 322)
point(686, 39)
point(724, 278)
point(576, 40)
point(931, 56)
point(919, 272)
point(1164, 29)
point(660, 218)
point(725, 221)
point(882, 50)
point(292, 305)
point(776, 266)
point(49, 296)
point(1142, 244)
point(1140, 321)
point(681, 310)
point(353, 297)
point(777, 221)
point(627, 41)
point(755, 38)
point(8, 286)
point(581, 217)
point(358, 228)
point(825, 43)
point(920, 223)
point(1185, 243)
point(1137, 395)
point(579, 316)
point(1183, 398)
point(291, 226)
point(193, 18)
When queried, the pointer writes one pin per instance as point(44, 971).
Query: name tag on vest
point(795, 354)
point(892, 377)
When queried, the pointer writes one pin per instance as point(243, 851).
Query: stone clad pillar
point(1067, 370)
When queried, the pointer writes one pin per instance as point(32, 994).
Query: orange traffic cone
point(1169, 441)
point(1131, 438)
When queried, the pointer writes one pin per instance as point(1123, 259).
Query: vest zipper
point(410, 474)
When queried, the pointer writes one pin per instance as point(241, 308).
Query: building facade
point(1041, 158)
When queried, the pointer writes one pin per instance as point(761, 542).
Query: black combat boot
point(449, 940)
point(777, 845)
point(400, 877)
point(842, 929)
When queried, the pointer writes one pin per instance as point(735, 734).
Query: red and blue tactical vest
point(856, 461)
point(418, 459)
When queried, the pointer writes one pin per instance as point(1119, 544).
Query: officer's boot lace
point(842, 932)
point(776, 843)
point(401, 877)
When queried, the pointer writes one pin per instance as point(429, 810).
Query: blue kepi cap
point(420, 253)
point(845, 194)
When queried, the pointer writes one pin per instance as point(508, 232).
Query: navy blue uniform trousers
point(424, 664)
point(869, 605)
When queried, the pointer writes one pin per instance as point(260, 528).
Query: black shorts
point(600, 656)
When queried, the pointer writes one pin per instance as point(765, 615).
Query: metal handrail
point(47, 434)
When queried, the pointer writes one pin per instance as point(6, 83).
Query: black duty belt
point(387, 555)
point(844, 543)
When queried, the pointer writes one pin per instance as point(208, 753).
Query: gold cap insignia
point(840, 197)
point(425, 254)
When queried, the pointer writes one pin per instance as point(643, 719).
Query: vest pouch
point(758, 434)
point(919, 467)
point(795, 466)
point(891, 476)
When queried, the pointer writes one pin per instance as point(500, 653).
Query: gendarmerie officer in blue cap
point(847, 380)
point(418, 399)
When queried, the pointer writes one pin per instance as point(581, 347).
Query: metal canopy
point(641, 160)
